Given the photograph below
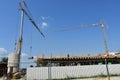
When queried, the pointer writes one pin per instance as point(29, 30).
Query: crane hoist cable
point(30, 54)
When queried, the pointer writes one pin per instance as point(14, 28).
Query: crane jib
point(30, 18)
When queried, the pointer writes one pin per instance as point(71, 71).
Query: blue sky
point(52, 15)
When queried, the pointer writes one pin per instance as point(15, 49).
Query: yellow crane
point(102, 25)
point(17, 56)
point(24, 11)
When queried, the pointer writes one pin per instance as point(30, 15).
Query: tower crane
point(102, 25)
point(104, 37)
point(24, 10)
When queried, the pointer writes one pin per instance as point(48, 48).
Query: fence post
point(108, 75)
point(49, 70)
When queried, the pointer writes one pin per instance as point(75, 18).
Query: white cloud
point(44, 24)
point(3, 51)
point(45, 20)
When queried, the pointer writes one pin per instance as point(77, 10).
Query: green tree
point(4, 59)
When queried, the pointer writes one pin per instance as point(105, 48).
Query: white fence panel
point(59, 72)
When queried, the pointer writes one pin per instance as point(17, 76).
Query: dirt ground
point(111, 78)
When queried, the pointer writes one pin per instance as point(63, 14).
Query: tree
point(4, 59)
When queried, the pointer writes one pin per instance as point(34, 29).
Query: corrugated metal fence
point(59, 72)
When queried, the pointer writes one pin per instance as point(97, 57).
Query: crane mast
point(104, 37)
point(105, 41)
point(19, 46)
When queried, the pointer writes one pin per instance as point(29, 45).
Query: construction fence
point(62, 72)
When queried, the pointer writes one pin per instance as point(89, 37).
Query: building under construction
point(79, 60)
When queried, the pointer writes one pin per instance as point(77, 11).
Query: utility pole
point(107, 52)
